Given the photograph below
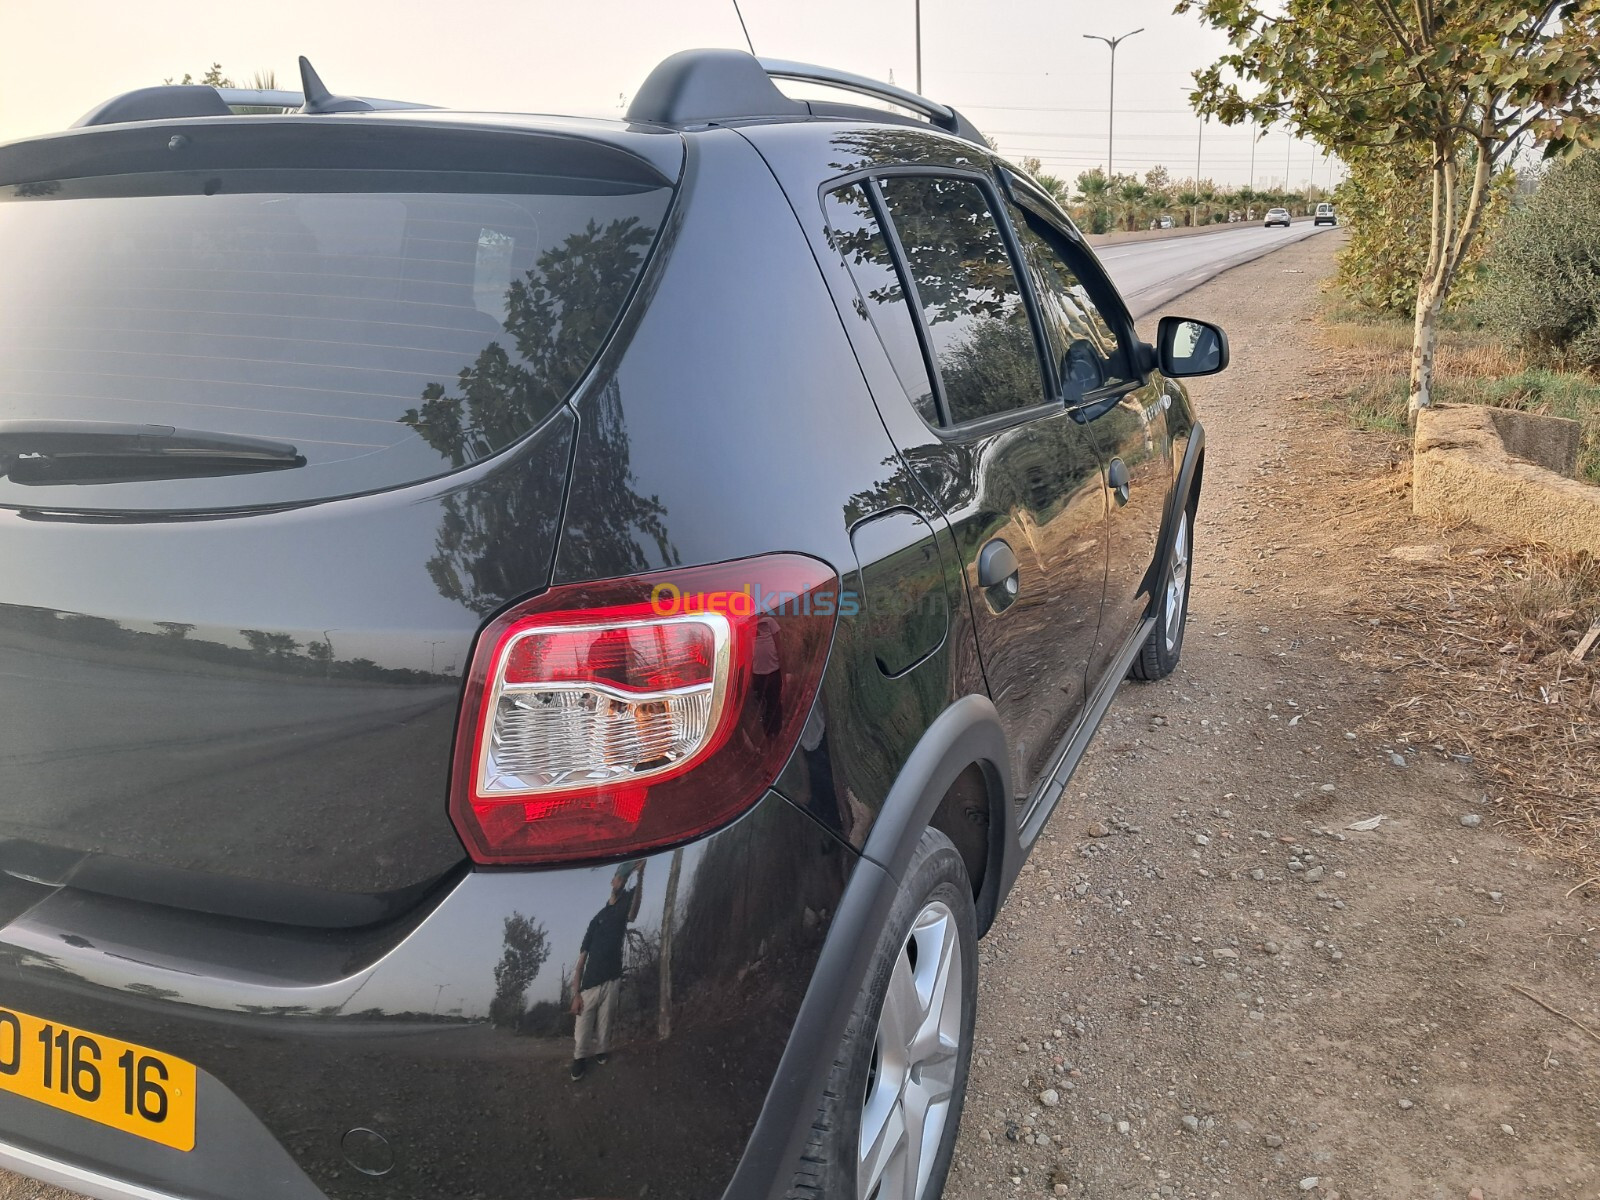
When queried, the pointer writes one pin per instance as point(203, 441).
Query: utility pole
point(1197, 140)
point(919, 47)
point(1288, 157)
point(1111, 106)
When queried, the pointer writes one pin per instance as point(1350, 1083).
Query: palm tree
point(1131, 199)
point(1190, 200)
point(1094, 190)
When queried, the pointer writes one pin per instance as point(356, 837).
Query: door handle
point(1117, 479)
point(997, 566)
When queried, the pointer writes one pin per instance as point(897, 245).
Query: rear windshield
point(388, 335)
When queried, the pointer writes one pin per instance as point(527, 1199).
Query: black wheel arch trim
point(967, 733)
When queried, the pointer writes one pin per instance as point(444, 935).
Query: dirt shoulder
point(1231, 994)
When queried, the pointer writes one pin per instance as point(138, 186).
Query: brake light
point(605, 719)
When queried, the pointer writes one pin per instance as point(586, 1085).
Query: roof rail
point(201, 100)
point(721, 85)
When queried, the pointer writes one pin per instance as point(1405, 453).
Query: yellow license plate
point(137, 1090)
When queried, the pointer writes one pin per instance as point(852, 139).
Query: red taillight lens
point(605, 719)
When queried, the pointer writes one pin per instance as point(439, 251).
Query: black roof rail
point(200, 100)
point(722, 85)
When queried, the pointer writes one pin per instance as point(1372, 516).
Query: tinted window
point(390, 336)
point(1083, 343)
point(977, 322)
point(854, 231)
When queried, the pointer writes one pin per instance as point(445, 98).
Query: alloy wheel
point(915, 1058)
point(1177, 583)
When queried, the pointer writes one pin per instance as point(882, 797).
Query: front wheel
point(886, 1128)
point(1158, 657)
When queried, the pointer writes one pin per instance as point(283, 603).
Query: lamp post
point(919, 47)
point(1111, 106)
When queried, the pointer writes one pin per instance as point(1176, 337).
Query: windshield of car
point(387, 336)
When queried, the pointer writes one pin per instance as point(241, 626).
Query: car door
point(1025, 500)
point(1124, 410)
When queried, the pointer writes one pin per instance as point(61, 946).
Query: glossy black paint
point(400, 1033)
point(163, 702)
point(328, 977)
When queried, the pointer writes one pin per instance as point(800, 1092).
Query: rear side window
point(388, 335)
point(981, 337)
point(856, 235)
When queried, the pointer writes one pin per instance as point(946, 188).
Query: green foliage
point(1384, 204)
point(1055, 186)
point(1544, 290)
point(1454, 85)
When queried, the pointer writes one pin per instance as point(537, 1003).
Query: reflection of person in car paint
point(768, 679)
point(597, 977)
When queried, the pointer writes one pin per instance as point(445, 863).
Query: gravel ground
point(1206, 984)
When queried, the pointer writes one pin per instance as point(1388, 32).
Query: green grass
point(1380, 403)
point(1473, 367)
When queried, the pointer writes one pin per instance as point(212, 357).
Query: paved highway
point(1151, 273)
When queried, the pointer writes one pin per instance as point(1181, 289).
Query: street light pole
point(919, 47)
point(1198, 138)
point(1111, 106)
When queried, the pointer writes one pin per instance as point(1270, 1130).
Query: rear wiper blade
point(46, 452)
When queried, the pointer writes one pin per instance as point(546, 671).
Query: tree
point(1462, 84)
point(1094, 194)
point(1132, 199)
point(1054, 185)
point(527, 946)
point(1545, 286)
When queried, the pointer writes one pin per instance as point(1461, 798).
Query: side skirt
point(1054, 784)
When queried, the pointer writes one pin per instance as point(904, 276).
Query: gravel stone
point(1471, 820)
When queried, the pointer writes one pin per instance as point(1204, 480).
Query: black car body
point(358, 464)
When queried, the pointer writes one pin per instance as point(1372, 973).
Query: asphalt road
point(1151, 273)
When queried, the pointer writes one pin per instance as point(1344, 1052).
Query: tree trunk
point(668, 920)
point(1424, 339)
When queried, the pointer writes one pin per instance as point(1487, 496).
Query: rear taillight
point(605, 719)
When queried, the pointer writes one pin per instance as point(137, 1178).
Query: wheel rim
point(912, 1081)
point(1177, 583)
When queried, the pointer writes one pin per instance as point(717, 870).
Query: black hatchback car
point(532, 648)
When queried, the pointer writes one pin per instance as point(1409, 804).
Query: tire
point(871, 1081)
point(1158, 657)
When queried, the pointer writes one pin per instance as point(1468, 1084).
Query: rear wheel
point(886, 1128)
point(1158, 657)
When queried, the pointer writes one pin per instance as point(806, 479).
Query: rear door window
point(857, 236)
point(980, 334)
point(388, 335)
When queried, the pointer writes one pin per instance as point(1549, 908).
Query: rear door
point(1024, 499)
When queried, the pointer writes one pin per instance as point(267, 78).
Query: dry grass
point(1472, 367)
point(1480, 645)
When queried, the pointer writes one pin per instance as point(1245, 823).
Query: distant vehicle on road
point(1278, 216)
point(1164, 222)
point(1324, 215)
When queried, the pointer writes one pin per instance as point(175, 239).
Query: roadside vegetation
point(1130, 202)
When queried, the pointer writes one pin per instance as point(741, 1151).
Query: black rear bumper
point(297, 1049)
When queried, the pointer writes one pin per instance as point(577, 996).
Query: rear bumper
point(300, 1040)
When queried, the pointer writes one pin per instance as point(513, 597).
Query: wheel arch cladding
point(939, 785)
point(1185, 496)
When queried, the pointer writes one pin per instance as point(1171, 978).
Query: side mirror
point(1186, 347)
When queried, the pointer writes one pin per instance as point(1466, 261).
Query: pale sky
point(1022, 71)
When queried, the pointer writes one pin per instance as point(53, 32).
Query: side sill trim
point(77, 1179)
point(1056, 785)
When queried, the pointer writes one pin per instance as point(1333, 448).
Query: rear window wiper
point(46, 452)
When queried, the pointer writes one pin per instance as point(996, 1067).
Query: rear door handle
point(1117, 478)
point(997, 563)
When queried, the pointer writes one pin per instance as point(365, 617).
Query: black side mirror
point(1186, 347)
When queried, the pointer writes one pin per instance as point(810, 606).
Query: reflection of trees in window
point(959, 263)
point(557, 316)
